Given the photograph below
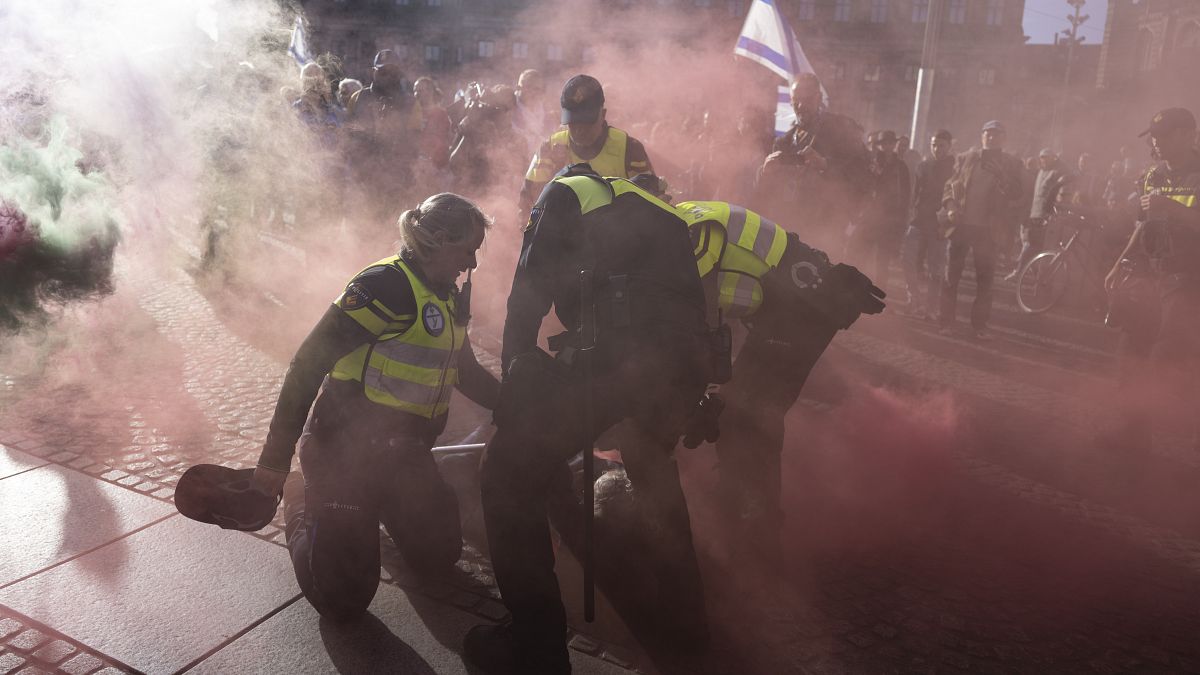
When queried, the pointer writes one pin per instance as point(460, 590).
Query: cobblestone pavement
point(1000, 541)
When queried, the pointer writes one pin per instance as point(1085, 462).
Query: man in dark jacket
point(978, 199)
point(1052, 176)
point(880, 228)
point(924, 248)
point(817, 174)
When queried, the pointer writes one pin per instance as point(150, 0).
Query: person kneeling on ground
point(385, 358)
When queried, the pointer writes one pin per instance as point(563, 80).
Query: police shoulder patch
point(433, 319)
point(535, 215)
point(355, 296)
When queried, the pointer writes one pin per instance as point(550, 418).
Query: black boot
point(494, 649)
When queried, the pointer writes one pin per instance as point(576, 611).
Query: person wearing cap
point(1167, 236)
point(587, 138)
point(977, 200)
point(1052, 177)
point(880, 227)
point(924, 254)
point(377, 372)
point(648, 350)
point(384, 130)
point(818, 173)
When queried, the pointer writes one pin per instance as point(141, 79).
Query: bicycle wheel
point(1043, 282)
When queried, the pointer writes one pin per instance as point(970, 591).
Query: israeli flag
point(785, 117)
point(298, 47)
point(768, 40)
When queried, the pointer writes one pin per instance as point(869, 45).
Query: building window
point(554, 52)
point(995, 12)
point(520, 50)
point(806, 10)
point(401, 51)
point(987, 76)
point(458, 54)
point(871, 74)
point(433, 3)
point(704, 3)
point(401, 3)
point(433, 53)
point(841, 10)
point(910, 73)
point(1188, 38)
point(839, 71)
point(735, 7)
point(589, 54)
point(920, 12)
point(958, 11)
point(487, 49)
point(879, 11)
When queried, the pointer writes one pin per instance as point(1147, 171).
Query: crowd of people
point(644, 285)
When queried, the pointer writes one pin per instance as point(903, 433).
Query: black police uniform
point(650, 366)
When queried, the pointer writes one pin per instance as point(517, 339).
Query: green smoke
point(72, 228)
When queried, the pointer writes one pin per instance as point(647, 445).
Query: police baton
point(587, 339)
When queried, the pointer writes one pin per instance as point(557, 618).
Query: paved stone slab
point(413, 635)
point(13, 461)
point(163, 597)
point(52, 513)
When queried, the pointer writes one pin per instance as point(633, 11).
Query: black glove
point(844, 293)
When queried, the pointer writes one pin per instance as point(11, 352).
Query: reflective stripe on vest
point(755, 246)
point(1183, 195)
point(411, 367)
point(594, 192)
point(610, 161)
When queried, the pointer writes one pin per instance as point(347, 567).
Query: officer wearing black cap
point(586, 138)
point(1167, 236)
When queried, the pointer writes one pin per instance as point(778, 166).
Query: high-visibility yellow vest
point(739, 245)
point(609, 162)
point(412, 365)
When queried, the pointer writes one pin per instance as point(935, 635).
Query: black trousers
point(356, 476)
point(769, 372)
point(525, 461)
point(980, 242)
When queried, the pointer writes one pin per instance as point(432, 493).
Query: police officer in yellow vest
point(1167, 237)
point(649, 365)
point(586, 138)
point(381, 365)
point(793, 300)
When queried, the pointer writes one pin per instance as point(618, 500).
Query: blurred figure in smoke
point(587, 138)
point(1088, 184)
point(383, 130)
point(434, 144)
point(924, 256)
point(880, 228)
point(489, 148)
point(648, 361)
point(818, 174)
point(979, 197)
point(1167, 236)
point(381, 365)
point(314, 107)
point(531, 117)
point(1052, 176)
point(346, 90)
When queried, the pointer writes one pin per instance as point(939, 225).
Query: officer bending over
point(381, 364)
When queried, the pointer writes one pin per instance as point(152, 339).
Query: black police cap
point(581, 100)
point(1170, 119)
point(219, 495)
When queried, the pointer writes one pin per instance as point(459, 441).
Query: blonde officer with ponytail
point(381, 365)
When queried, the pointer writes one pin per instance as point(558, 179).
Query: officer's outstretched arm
point(474, 381)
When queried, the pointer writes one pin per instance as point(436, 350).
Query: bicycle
point(1047, 277)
